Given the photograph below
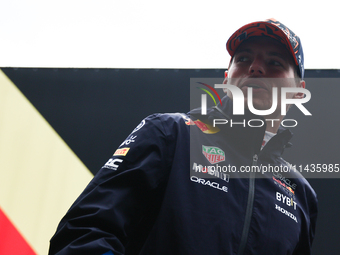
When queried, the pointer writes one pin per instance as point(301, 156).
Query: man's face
point(265, 58)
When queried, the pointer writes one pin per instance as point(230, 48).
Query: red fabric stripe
point(11, 241)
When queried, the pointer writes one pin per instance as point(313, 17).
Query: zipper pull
point(255, 158)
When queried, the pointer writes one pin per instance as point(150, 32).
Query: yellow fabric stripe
point(40, 176)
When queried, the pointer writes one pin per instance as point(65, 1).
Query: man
point(146, 201)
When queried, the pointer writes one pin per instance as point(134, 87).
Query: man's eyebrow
point(244, 50)
point(277, 54)
point(270, 53)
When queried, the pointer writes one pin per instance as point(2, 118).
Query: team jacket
point(167, 189)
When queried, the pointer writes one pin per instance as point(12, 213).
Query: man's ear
point(300, 94)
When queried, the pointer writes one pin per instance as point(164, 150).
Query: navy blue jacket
point(167, 190)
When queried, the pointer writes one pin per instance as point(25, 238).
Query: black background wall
point(94, 110)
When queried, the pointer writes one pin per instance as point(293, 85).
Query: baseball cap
point(273, 29)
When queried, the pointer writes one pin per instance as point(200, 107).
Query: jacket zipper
point(249, 210)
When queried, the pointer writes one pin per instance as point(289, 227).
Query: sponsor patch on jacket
point(206, 128)
point(130, 139)
point(285, 212)
point(121, 152)
point(287, 188)
point(140, 125)
point(284, 184)
point(213, 154)
point(285, 200)
point(113, 163)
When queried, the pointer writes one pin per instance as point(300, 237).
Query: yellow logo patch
point(121, 152)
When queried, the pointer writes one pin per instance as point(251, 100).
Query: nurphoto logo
point(239, 104)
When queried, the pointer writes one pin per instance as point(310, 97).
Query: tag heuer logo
point(213, 154)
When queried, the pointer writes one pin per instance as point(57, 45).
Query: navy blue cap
point(273, 29)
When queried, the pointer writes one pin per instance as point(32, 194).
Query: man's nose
point(257, 67)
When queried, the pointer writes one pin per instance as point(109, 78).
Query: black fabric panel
point(94, 110)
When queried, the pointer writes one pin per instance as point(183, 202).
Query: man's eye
point(275, 63)
point(242, 59)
